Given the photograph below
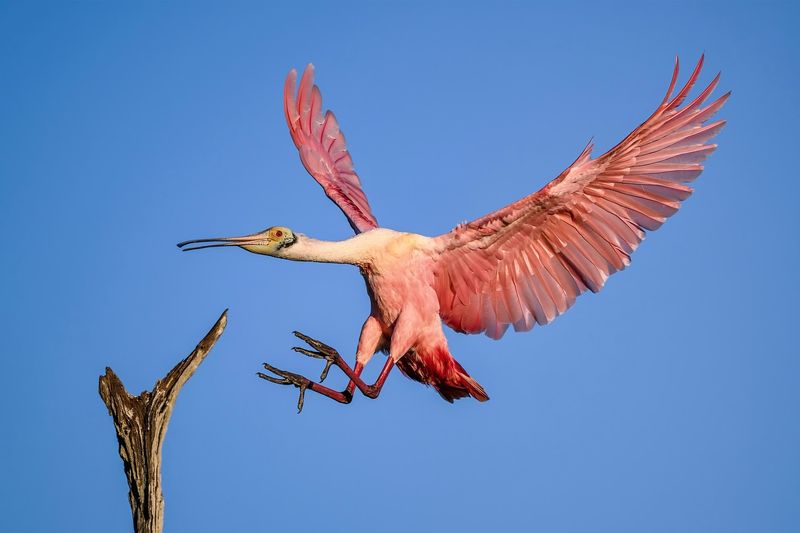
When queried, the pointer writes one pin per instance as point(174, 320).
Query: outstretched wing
point(527, 262)
point(323, 150)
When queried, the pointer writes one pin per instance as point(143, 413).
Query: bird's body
point(521, 265)
point(398, 269)
point(401, 283)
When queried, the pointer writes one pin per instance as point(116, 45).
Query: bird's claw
point(323, 351)
point(320, 351)
point(287, 378)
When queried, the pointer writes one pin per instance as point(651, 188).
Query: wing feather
point(323, 149)
point(525, 264)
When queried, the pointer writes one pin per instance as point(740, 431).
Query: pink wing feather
point(323, 150)
point(527, 262)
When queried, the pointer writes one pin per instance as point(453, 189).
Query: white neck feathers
point(351, 251)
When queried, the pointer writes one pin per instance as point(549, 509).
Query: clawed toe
point(323, 351)
point(317, 345)
point(287, 378)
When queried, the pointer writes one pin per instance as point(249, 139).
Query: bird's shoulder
point(390, 244)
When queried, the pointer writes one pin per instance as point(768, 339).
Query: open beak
point(255, 238)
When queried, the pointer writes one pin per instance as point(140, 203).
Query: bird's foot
point(287, 378)
point(320, 351)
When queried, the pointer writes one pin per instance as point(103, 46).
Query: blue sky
point(666, 403)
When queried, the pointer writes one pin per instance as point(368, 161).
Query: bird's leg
point(332, 357)
point(346, 396)
point(370, 391)
point(303, 383)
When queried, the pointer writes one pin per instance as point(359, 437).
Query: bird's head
point(272, 241)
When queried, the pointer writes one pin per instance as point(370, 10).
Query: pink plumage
point(527, 262)
point(521, 265)
point(323, 150)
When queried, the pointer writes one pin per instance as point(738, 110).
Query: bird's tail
point(437, 368)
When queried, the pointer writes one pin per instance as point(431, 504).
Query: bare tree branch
point(141, 423)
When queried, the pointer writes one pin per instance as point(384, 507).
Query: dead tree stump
point(141, 423)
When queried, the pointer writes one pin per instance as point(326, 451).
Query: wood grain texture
point(141, 423)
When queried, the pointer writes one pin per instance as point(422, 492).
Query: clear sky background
point(669, 402)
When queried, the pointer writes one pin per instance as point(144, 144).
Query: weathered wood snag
point(141, 423)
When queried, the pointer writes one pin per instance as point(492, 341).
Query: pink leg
point(370, 391)
point(332, 357)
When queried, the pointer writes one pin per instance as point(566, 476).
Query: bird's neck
point(308, 249)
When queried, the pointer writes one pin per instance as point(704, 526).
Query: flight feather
point(526, 263)
point(323, 150)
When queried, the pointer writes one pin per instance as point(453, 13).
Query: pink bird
point(522, 265)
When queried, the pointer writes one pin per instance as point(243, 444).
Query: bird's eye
point(279, 233)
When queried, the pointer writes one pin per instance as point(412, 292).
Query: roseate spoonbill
point(522, 265)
